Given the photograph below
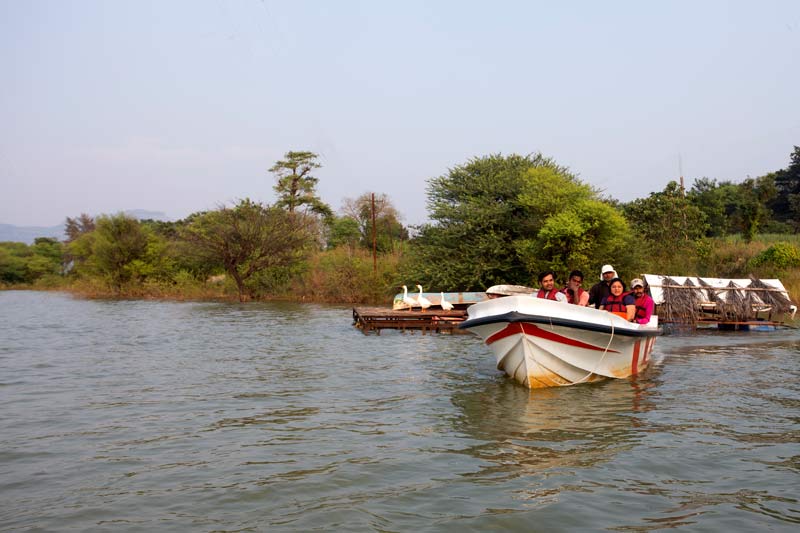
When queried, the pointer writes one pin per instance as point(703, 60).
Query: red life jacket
point(641, 311)
point(615, 304)
point(570, 299)
point(547, 295)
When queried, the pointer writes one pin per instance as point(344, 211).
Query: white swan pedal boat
point(544, 343)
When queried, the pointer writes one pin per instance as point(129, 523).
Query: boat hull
point(541, 343)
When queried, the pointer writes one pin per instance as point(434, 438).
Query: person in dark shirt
point(601, 290)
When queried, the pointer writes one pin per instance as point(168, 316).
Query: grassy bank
point(732, 257)
point(99, 289)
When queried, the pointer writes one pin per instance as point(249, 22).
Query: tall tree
point(755, 194)
point(496, 221)
point(14, 262)
point(118, 241)
point(247, 239)
point(47, 257)
point(296, 186)
point(786, 204)
point(75, 227)
point(668, 225)
point(717, 201)
point(343, 231)
point(585, 233)
point(388, 228)
point(734, 207)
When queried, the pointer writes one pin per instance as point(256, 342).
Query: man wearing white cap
point(644, 304)
point(602, 289)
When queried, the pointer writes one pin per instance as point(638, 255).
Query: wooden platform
point(730, 325)
point(431, 321)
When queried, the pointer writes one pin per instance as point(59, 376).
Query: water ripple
point(225, 417)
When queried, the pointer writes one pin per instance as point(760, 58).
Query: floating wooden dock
point(730, 325)
point(431, 321)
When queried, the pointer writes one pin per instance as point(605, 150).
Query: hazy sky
point(179, 106)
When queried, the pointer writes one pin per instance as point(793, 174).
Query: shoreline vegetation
point(359, 285)
point(493, 220)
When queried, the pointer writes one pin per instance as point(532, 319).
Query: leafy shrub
point(274, 281)
point(346, 275)
point(50, 281)
point(779, 256)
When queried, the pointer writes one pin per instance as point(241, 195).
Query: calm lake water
point(141, 416)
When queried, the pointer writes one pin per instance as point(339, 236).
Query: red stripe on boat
point(529, 329)
point(635, 360)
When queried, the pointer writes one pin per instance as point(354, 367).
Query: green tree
point(587, 233)
point(669, 226)
point(170, 255)
point(786, 204)
point(296, 186)
point(575, 227)
point(752, 213)
point(718, 202)
point(388, 228)
point(79, 253)
point(166, 229)
point(118, 241)
point(344, 231)
point(158, 262)
point(14, 262)
point(21, 263)
point(734, 208)
point(500, 219)
point(75, 227)
point(248, 239)
point(48, 257)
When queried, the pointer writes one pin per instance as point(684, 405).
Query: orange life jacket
point(616, 304)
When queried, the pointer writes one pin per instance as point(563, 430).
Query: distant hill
point(27, 234)
point(143, 214)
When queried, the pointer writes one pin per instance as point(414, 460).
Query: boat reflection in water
point(532, 431)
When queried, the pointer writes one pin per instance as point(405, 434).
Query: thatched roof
point(678, 305)
point(682, 299)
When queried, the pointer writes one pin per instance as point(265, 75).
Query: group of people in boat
point(609, 294)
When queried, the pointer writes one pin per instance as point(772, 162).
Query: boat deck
point(375, 319)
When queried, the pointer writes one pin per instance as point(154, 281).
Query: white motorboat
point(544, 343)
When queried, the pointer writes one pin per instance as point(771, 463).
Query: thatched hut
point(693, 301)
